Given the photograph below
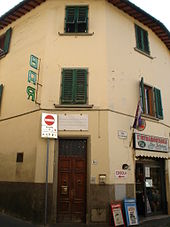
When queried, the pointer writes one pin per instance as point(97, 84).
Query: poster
point(132, 215)
point(131, 212)
point(117, 214)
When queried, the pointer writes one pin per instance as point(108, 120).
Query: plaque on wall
point(73, 122)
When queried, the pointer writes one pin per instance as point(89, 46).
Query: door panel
point(72, 181)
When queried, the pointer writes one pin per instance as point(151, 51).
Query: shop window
point(5, 42)
point(76, 19)
point(151, 101)
point(74, 86)
point(20, 157)
point(142, 42)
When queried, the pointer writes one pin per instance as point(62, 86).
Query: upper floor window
point(74, 86)
point(151, 101)
point(142, 42)
point(76, 19)
point(5, 42)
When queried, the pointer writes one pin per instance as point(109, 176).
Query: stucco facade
point(115, 69)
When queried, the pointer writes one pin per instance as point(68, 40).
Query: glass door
point(153, 189)
point(150, 187)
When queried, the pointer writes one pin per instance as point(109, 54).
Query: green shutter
point(142, 42)
point(138, 37)
point(158, 103)
point(1, 89)
point(7, 40)
point(67, 86)
point(142, 94)
point(146, 42)
point(82, 14)
point(70, 15)
point(81, 86)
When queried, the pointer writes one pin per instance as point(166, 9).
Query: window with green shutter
point(76, 19)
point(142, 42)
point(5, 42)
point(74, 86)
point(151, 101)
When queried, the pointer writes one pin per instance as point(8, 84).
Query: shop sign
point(49, 125)
point(120, 173)
point(32, 78)
point(153, 143)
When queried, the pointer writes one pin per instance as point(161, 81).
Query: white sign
point(120, 173)
point(153, 143)
point(147, 171)
point(49, 126)
point(71, 122)
point(149, 183)
point(122, 134)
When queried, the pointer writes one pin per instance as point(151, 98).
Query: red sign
point(120, 173)
point(142, 125)
point(49, 120)
point(117, 216)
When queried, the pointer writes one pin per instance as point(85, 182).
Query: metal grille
point(72, 147)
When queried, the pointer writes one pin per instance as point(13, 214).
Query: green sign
point(32, 78)
point(33, 61)
point(31, 93)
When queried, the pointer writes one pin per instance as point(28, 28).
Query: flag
point(138, 120)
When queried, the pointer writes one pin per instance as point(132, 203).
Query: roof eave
point(18, 11)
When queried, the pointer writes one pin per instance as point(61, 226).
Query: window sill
point(73, 106)
point(2, 54)
point(142, 52)
point(75, 34)
point(150, 117)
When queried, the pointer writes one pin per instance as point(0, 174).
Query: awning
point(152, 154)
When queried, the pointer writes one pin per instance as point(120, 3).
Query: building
point(89, 62)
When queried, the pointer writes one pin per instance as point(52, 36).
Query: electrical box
point(102, 178)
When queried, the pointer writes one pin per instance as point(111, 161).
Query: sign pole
point(46, 181)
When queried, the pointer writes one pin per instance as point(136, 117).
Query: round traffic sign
point(49, 120)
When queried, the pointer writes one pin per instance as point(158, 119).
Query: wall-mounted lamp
point(125, 166)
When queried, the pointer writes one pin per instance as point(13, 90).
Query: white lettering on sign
point(120, 173)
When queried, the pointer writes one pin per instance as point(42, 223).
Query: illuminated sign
point(32, 78)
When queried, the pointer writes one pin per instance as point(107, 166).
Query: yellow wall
point(114, 72)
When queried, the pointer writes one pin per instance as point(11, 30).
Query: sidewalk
point(8, 221)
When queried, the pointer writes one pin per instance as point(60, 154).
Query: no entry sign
point(49, 125)
point(49, 120)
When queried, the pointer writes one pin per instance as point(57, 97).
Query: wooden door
point(72, 181)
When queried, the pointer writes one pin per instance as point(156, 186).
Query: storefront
point(151, 153)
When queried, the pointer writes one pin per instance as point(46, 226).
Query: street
point(8, 221)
